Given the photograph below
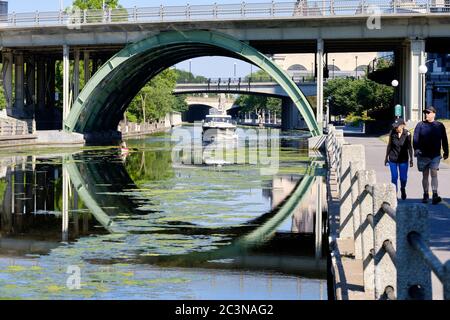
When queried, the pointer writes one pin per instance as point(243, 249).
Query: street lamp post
point(422, 71)
point(190, 68)
point(356, 69)
point(235, 69)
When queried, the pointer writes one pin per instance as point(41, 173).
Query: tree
point(259, 104)
point(186, 77)
point(2, 97)
point(96, 4)
point(119, 14)
point(357, 96)
point(155, 99)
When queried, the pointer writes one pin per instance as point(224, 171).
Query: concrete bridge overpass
point(266, 87)
point(290, 116)
point(32, 42)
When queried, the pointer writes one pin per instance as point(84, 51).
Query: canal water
point(154, 220)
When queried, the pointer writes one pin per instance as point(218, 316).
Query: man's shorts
point(424, 163)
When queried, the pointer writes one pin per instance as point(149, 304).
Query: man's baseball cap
point(398, 122)
point(429, 109)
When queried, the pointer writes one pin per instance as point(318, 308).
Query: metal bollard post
point(364, 235)
point(384, 229)
point(349, 153)
point(412, 270)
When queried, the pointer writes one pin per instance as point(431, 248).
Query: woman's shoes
point(403, 191)
point(425, 197)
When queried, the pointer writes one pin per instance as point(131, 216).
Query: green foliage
point(187, 77)
point(2, 98)
point(355, 120)
point(147, 166)
point(383, 63)
point(259, 104)
point(119, 13)
point(259, 75)
point(95, 4)
point(356, 96)
point(3, 185)
point(155, 99)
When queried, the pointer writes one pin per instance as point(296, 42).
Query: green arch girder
point(95, 101)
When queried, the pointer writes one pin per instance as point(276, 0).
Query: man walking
point(429, 137)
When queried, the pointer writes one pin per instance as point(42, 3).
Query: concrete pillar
point(364, 235)
point(356, 166)
point(384, 229)
point(31, 81)
point(290, 115)
point(320, 64)
point(66, 82)
point(50, 85)
point(95, 63)
point(19, 86)
point(7, 74)
point(415, 89)
point(65, 203)
point(87, 70)
point(286, 115)
point(349, 153)
point(41, 84)
point(76, 74)
point(411, 268)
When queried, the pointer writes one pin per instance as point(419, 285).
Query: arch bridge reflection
point(44, 198)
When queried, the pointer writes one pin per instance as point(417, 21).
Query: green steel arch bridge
point(101, 104)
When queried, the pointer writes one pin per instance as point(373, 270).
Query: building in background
point(438, 83)
point(339, 64)
point(3, 7)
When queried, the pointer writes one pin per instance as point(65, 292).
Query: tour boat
point(218, 128)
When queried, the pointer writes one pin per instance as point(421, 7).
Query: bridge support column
point(320, 64)
point(413, 90)
point(31, 82)
point(7, 80)
point(290, 115)
point(286, 115)
point(19, 105)
point(50, 87)
point(40, 84)
point(87, 71)
point(76, 74)
point(66, 79)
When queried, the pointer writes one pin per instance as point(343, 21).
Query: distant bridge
point(261, 86)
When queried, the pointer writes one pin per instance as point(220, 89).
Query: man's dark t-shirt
point(429, 138)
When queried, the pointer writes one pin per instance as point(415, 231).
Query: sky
point(223, 67)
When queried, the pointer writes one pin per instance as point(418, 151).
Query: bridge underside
point(103, 101)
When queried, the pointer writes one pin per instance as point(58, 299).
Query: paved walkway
point(439, 214)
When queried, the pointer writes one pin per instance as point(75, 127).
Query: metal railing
point(217, 11)
point(390, 241)
point(243, 81)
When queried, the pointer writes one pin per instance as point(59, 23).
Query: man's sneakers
point(426, 197)
point(403, 191)
point(436, 198)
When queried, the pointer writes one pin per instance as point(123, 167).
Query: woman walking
point(399, 152)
